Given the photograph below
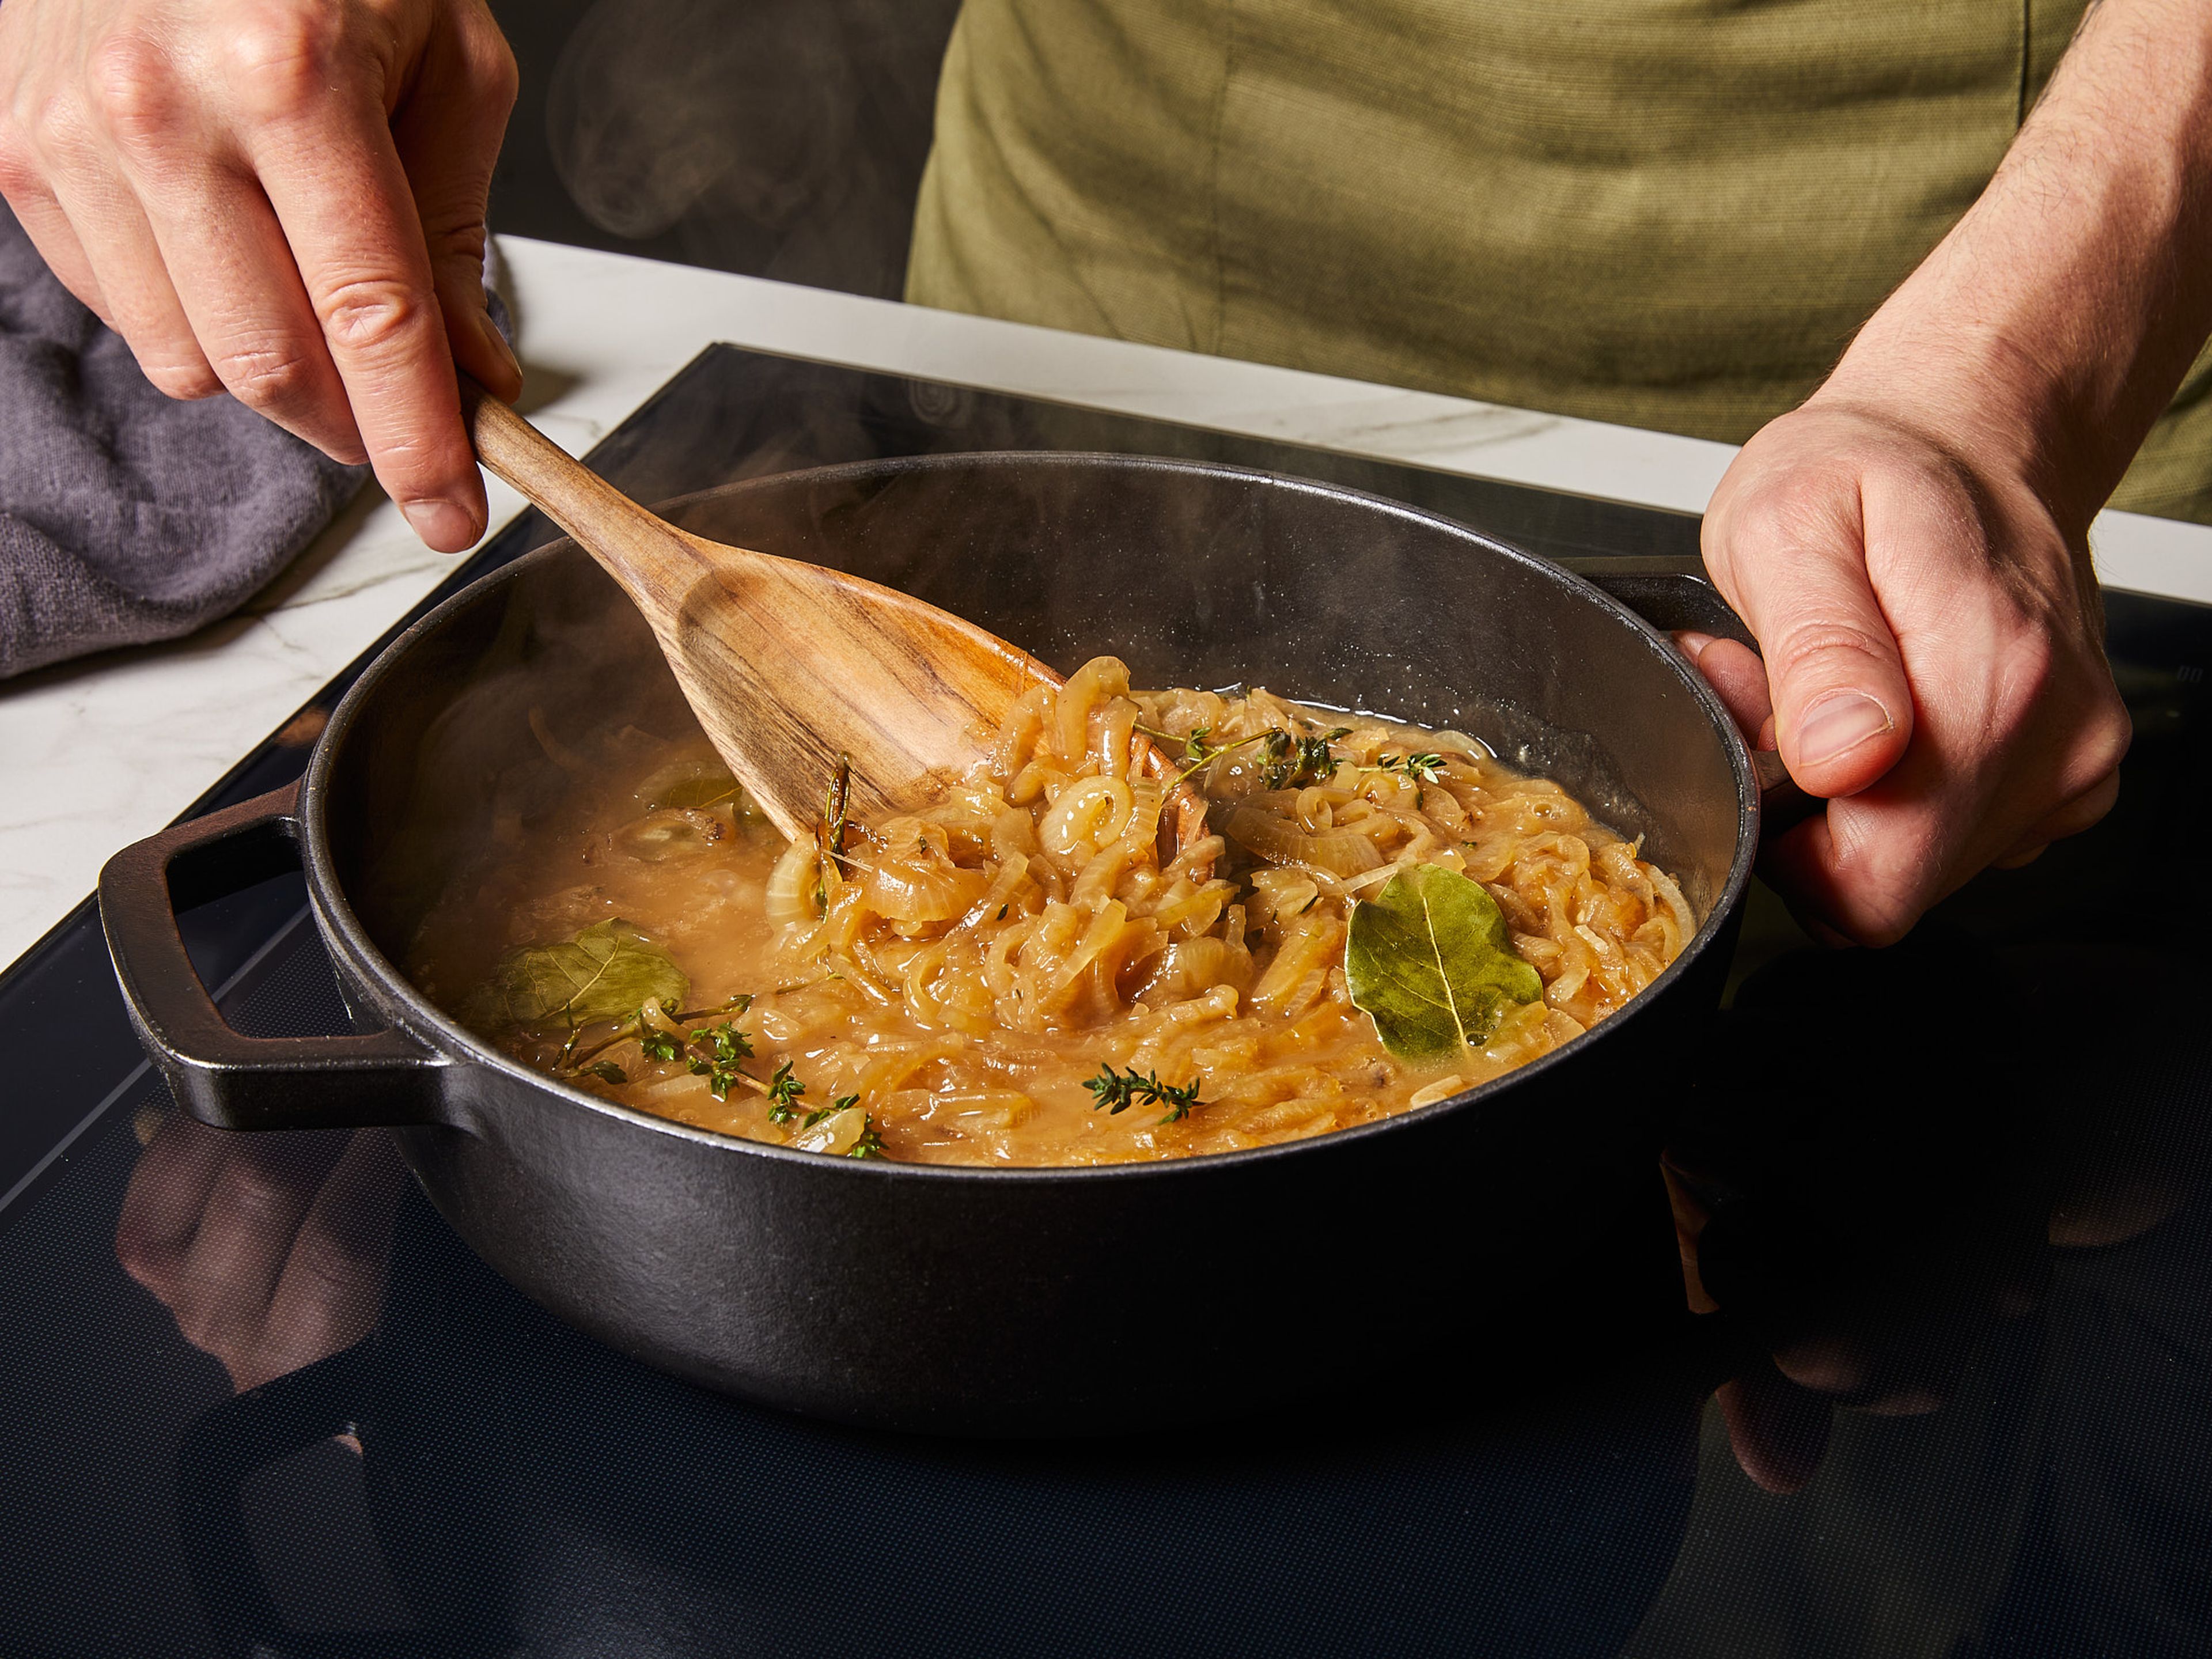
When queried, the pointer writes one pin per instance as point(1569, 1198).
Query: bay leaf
point(1430, 959)
point(606, 971)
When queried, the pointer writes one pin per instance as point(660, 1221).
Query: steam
point(780, 138)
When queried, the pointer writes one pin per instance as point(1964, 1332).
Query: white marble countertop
point(96, 754)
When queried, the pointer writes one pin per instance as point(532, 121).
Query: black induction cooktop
point(1938, 1384)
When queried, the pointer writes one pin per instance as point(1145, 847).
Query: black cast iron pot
point(983, 1300)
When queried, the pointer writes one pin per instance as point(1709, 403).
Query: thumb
point(1842, 708)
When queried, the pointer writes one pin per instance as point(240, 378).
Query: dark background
point(780, 138)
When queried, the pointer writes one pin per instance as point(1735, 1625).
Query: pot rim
point(342, 928)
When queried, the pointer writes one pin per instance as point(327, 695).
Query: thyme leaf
point(871, 1142)
point(836, 805)
point(1117, 1091)
point(1423, 768)
point(837, 1104)
point(783, 1093)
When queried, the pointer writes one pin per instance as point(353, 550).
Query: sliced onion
point(1306, 949)
point(1104, 928)
point(1013, 834)
point(836, 1133)
point(1442, 1088)
point(1338, 854)
point(1195, 862)
point(921, 889)
point(1686, 925)
point(1089, 814)
point(791, 886)
point(905, 837)
point(1012, 874)
point(1024, 721)
point(1141, 834)
point(1117, 724)
point(1096, 884)
point(1101, 676)
point(1185, 970)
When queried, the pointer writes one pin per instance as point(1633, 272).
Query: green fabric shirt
point(1668, 213)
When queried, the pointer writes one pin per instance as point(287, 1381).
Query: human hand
point(282, 198)
point(1933, 656)
point(270, 1251)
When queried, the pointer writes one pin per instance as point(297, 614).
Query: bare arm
point(1911, 547)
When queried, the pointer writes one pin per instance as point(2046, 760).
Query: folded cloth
point(126, 516)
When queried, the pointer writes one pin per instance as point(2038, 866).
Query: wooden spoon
point(787, 665)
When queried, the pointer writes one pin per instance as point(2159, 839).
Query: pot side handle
point(222, 1078)
point(1673, 593)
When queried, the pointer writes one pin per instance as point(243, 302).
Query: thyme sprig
point(783, 1092)
point(1117, 1091)
point(837, 1104)
point(714, 1054)
point(829, 834)
point(1423, 767)
point(1288, 760)
point(1306, 762)
point(870, 1142)
point(715, 1051)
point(657, 1042)
point(1200, 752)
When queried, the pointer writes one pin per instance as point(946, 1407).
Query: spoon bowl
point(790, 667)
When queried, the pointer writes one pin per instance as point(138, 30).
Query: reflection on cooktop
point(1929, 1374)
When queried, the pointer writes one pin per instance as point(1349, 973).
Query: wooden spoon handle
point(652, 559)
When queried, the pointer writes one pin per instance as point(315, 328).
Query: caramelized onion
point(1338, 854)
point(1089, 814)
point(1100, 678)
point(921, 889)
point(791, 886)
point(963, 968)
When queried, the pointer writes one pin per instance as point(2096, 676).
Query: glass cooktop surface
point(1936, 1385)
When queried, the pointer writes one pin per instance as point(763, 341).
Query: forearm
point(2052, 324)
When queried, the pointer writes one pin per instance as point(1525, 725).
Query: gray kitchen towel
point(125, 516)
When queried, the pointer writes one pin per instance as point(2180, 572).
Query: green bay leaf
point(1430, 958)
point(605, 972)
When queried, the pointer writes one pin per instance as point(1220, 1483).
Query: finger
point(331, 1288)
point(140, 302)
point(447, 136)
point(335, 181)
point(1778, 1431)
point(252, 1213)
point(1793, 565)
point(242, 294)
point(162, 1208)
point(1859, 874)
point(2084, 811)
point(48, 228)
point(1738, 678)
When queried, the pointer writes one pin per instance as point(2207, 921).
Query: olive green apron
point(1666, 213)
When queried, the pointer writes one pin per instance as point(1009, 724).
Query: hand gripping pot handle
point(222, 1078)
point(1673, 593)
